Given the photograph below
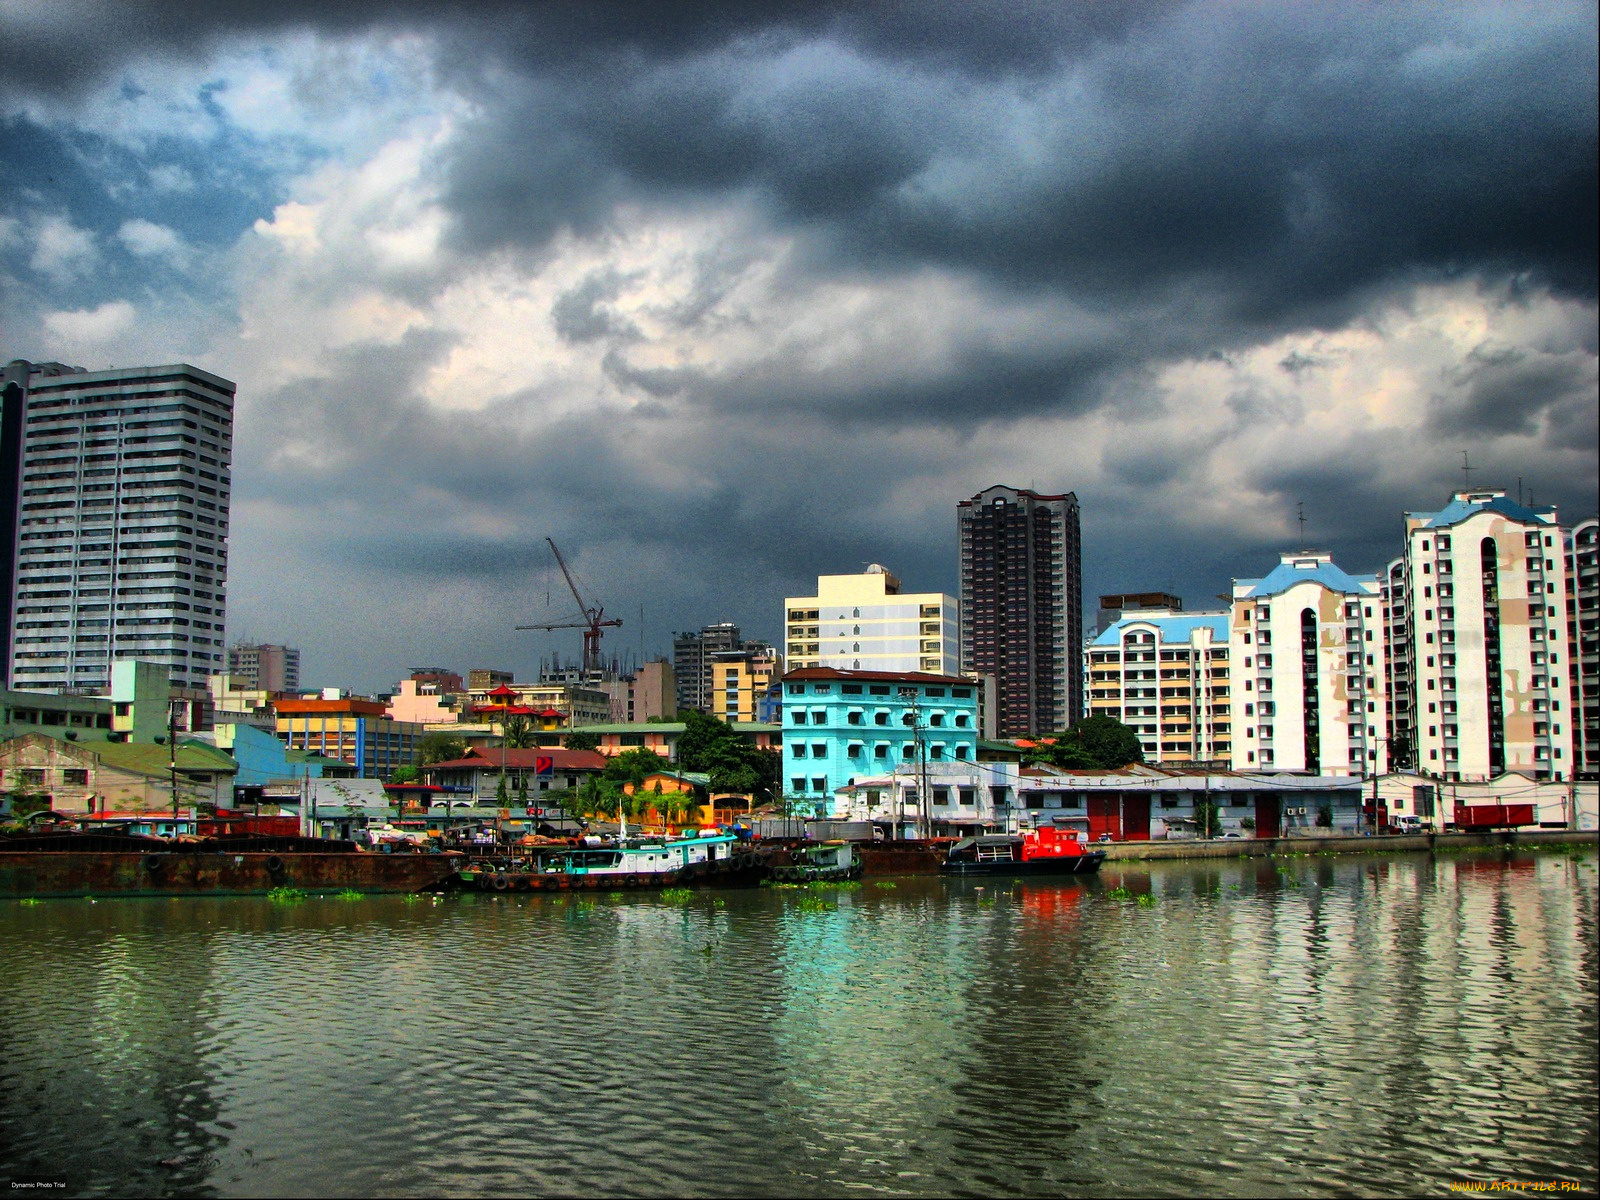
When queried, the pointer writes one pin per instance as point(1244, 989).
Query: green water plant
point(1119, 893)
point(885, 885)
point(285, 895)
point(677, 895)
point(30, 901)
point(815, 904)
point(350, 894)
point(1147, 901)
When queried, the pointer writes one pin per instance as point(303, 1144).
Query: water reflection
point(1314, 1025)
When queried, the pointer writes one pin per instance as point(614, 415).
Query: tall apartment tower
point(1309, 671)
point(865, 623)
point(1484, 609)
point(119, 520)
point(1583, 652)
point(268, 668)
point(1022, 606)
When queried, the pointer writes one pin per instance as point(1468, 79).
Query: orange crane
point(591, 623)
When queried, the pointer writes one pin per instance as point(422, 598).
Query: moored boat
point(814, 862)
point(1043, 851)
point(707, 857)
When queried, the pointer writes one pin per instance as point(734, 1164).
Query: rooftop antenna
point(1301, 506)
point(1466, 472)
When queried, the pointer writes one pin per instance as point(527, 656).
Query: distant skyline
point(725, 297)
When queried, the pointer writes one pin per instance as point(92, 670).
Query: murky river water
point(1311, 1026)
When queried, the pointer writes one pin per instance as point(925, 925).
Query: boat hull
point(715, 874)
point(1081, 864)
point(70, 873)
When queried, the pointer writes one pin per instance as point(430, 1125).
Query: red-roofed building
point(536, 769)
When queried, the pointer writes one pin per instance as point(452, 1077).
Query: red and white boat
point(1043, 851)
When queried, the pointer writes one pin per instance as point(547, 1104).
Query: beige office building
point(865, 623)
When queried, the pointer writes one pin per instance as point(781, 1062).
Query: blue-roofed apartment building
point(1479, 626)
point(1309, 670)
point(1166, 675)
point(840, 725)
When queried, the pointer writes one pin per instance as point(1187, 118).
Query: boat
point(1042, 851)
point(815, 862)
point(704, 857)
point(62, 863)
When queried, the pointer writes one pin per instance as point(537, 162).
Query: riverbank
point(1390, 844)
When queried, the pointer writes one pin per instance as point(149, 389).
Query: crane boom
point(591, 624)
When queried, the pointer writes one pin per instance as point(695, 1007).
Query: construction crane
point(591, 623)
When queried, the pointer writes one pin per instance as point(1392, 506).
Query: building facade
point(359, 732)
point(1308, 664)
point(1483, 599)
point(270, 668)
point(1022, 606)
point(841, 725)
point(865, 623)
point(741, 681)
point(1583, 646)
point(119, 519)
point(1167, 676)
point(693, 658)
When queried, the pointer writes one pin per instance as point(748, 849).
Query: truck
point(1474, 817)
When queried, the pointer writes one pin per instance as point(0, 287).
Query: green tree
point(632, 766)
point(578, 739)
point(518, 733)
point(439, 747)
point(404, 775)
point(1094, 743)
point(502, 797)
point(1205, 817)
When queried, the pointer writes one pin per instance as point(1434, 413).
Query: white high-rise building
point(1485, 616)
point(865, 623)
point(121, 523)
point(1310, 685)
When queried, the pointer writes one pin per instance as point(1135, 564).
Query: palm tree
point(517, 732)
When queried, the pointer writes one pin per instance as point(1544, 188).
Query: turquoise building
point(840, 725)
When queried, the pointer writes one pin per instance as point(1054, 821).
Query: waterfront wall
point(1391, 844)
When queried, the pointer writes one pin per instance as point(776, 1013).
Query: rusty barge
point(57, 864)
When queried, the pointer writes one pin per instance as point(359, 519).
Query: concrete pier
point(1387, 844)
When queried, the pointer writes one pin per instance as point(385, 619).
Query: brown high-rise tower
point(1022, 606)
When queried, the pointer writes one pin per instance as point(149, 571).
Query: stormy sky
point(725, 296)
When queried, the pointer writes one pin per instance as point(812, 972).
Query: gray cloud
point(1118, 188)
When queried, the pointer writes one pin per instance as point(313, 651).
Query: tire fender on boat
point(501, 883)
point(274, 864)
point(153, 862)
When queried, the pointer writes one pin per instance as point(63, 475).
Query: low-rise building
point(1135, 803)
point(843, 725)
point(358, 731)
point(661, 737)
point(529, 772)
point(88, 777)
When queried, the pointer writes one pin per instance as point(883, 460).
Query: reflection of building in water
point(120, 1025)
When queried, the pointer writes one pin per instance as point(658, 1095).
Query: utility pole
point(172, 761)
point(913, 719)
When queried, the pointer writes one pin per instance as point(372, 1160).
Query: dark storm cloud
point(1509, 389)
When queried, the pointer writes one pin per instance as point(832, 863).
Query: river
point(1363, 1025)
